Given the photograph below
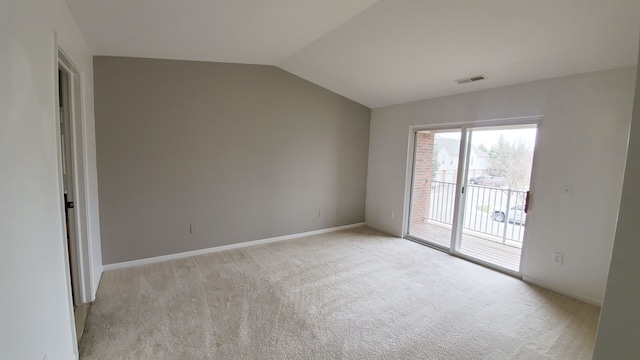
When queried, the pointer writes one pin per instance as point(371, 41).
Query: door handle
point(526, 202)
point(68, 204)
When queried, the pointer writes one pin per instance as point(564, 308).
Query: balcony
point(493, 222)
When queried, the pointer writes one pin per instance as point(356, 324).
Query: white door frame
point(80, 260)
point(462, 179)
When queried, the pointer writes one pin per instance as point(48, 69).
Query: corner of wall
point(559, 290)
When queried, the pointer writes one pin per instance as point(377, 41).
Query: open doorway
point(470, 190)
point(73, 194)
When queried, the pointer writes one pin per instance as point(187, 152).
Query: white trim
point(518, 120)
point(531, 218)
point(408, 188)
point(81, 261)
point(157, 259)
point(571, 294)
point(62, 209)
point(462, 175)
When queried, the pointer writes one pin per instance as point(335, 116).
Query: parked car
point(516, 215)
point(487, 180)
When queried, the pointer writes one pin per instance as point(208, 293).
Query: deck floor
point(480, 248)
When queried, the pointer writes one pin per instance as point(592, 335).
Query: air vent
point(471, 79)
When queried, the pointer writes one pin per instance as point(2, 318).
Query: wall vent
point(471, 79)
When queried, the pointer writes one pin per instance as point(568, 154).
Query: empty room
point(296, 179)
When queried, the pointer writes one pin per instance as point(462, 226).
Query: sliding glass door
point(434, 185)
point(470, 188)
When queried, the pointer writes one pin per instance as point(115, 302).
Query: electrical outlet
point(391, 214)
point(320, 213)
point(193, 229)
point(557, 258)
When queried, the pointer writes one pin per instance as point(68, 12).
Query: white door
point(66, 152)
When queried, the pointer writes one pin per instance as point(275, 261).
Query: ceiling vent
point(471, 79)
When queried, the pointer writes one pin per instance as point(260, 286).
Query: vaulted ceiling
point(376, 52)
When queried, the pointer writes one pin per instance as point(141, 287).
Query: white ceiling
point(376, 52)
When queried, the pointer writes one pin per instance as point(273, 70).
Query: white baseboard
point(587, 299)
point(156, 259)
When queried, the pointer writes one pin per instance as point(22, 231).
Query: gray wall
point(619, 327)
point(246, 151)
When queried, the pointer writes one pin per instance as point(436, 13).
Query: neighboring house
point(448, 151)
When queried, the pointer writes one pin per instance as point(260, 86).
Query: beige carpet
point(355, 294)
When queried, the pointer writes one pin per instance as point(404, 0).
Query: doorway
point(469, 190)
point(72, 179)
point(66, 156)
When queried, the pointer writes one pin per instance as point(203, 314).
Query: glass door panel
point(498, 171)
point(433, 187)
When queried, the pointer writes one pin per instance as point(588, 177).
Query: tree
point(512, 162)
point(519, 166)
point(435, 165)
point(499, 157)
